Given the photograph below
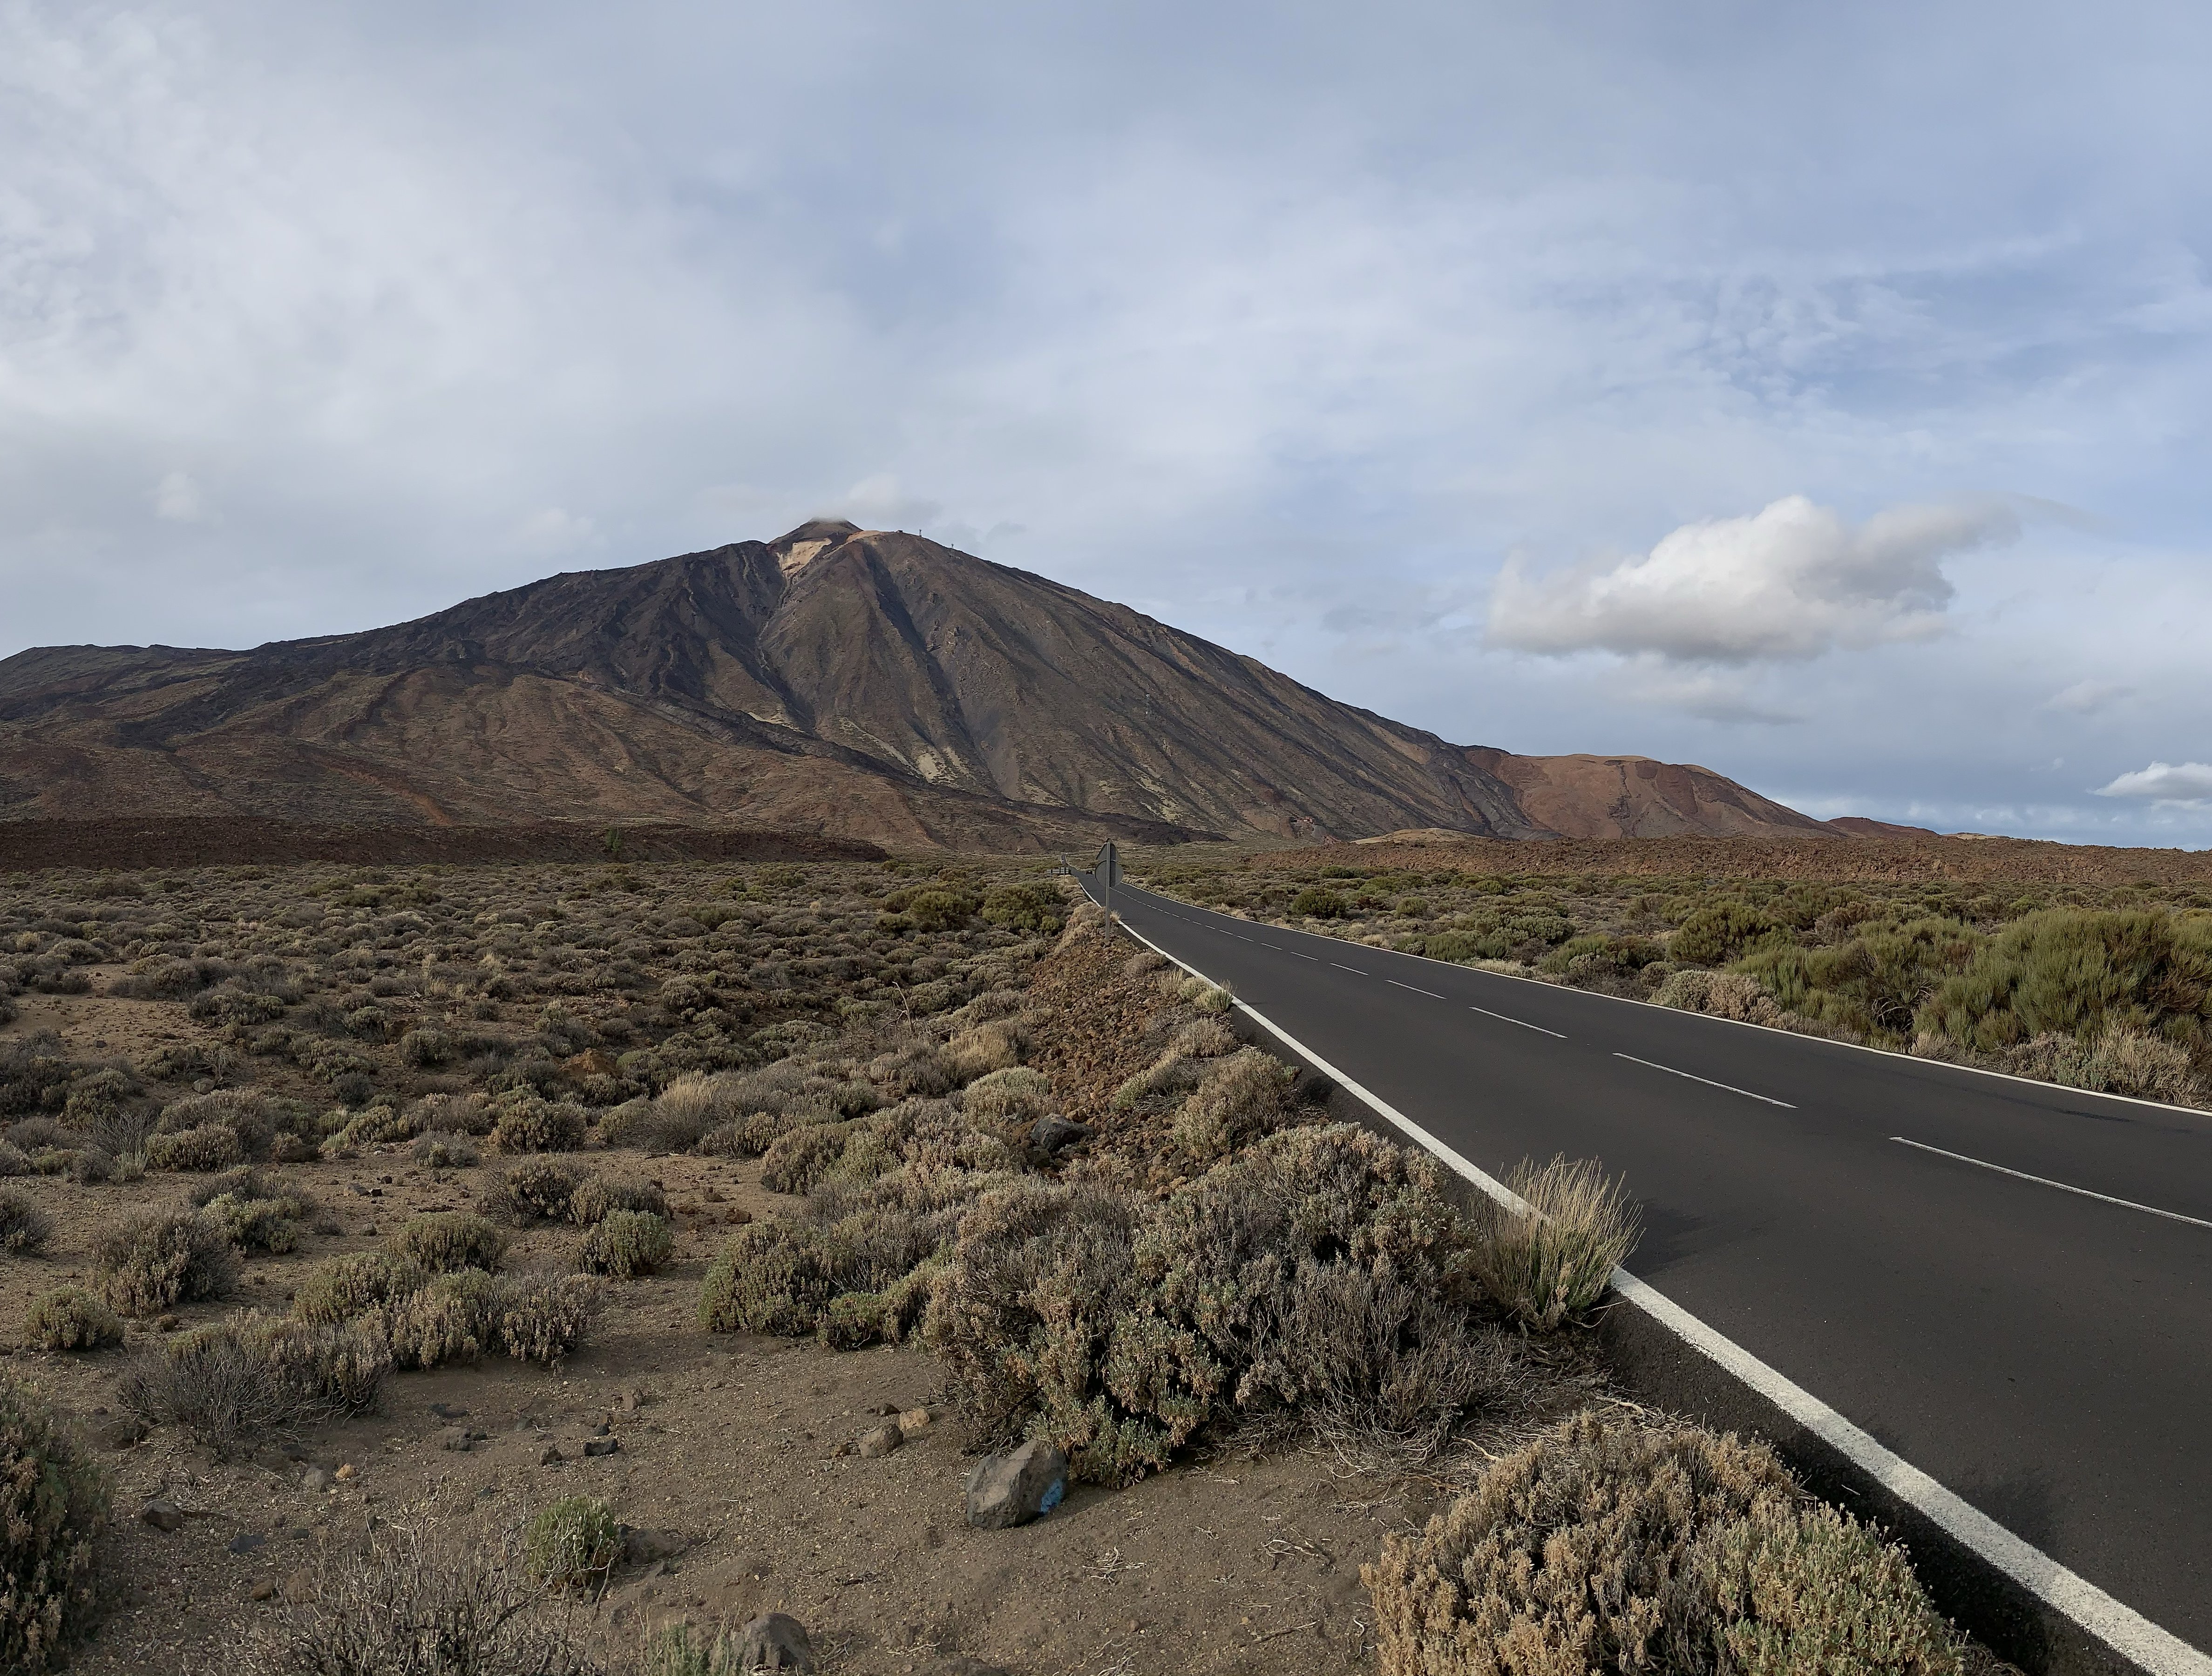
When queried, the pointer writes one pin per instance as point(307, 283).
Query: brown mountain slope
point(865, 684)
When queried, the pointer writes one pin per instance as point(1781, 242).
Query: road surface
point(2038, 1341)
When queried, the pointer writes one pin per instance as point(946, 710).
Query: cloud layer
point(1285, 324)
point(1787, 583)
point(2164, 783)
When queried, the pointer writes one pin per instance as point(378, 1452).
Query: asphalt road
point(2043, 1354)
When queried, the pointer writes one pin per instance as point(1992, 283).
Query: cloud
point(553, 530)
point(178, 499)
point(1787, 584)
point(2164, 783)
point(1709, 697)
point(2085, 698)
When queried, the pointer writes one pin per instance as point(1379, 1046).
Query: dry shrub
point(981, 1048)
point(594, 1199)
point(1144, 961)
point(53, 1504)
point(377, 1124)
point(1171, 1073)
point(1610, 1545)
point(772, 1277)
point(253, 1117)
point(13, 1160)
point(1203, 1039)
point(541, 1318)
point(1553, 1261)
point(2117, 1061)
point(861, 1149)
point(250, 1375)
point(743, 1136)
point(677, 1119)
point(538, 1191)
point(418, 1598)
point(1321, 1269)
point(454, 1114)
point(1721, 994)
point(69, 1318)
point(1014, 1094)
point(625, 1243)
point(156, 1260)
point(211, 1146)
point(1239, 1099)
point(460, 1316)
point(25, 1228)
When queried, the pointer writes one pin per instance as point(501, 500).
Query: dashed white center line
point(2045, 1182)
point(1295, 955)
point(1726, 1088)
point(1341, 967)
point(1507, 1018)
point(1416, 989)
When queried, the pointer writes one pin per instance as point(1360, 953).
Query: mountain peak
point(926, 699)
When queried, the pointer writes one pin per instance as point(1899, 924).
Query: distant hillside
point(860, 684)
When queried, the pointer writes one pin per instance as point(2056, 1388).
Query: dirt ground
point(738, 1448)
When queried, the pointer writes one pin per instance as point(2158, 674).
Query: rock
point(913, 1420)
point(446, 1411)
point(455, 1439)
point(885, 1409)
point(163, 1515)
point(551, 1456)
point(880, 1441)
point(775, 1641)
point(299, 1588)
point(643, 1547)
point(1009, 1490)
point(246, 1541)
point(1051, 1133)
point(344, 1473)
point(314, 1480)
point(594, 1446)
point(263, 1590)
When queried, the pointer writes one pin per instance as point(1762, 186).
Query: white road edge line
point(1415, 987)
point(2116, 1623)
point(2045, 1182)
point(1728, 1088)
point(1509, 1019)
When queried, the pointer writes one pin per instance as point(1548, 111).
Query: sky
point(1819, 394)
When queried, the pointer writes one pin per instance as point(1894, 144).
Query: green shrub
point(1014, 1094)
point(1318, 901)
point(625, 1243)
point(541, 1318)
point(155, 1259)
point(212, 1146)
point(69, 1318)
point(253, 1117)
point(445, 1241)
point(595, 1198)
point(2068, 972)
point(25, 1228)
point(671, 1650)
point(1610, 1545)
point(1024, 907)
point(1553, 1261)
point(346, 1287)
point(1721, 932)
point(573, 1543)
point(54, 1506)
point(772, 1277)
point(534, 1126)
point(450, 1318)
point(256, 1215)
point(442, 1149)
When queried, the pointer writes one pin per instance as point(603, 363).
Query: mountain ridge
point(869, 684)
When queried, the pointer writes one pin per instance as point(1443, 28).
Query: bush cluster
point(426, 1318)
point(1608, 1544)
point(153, 1261)
point(251, 1376)
point(69, 1318)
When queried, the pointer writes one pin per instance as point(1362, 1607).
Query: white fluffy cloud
point(2164, 783)
point(1790, 582)
point(2085, 698)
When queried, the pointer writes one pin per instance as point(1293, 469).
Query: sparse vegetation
point(625, 1243)
point(24, 1228)
point(53, 1502)
point(1552, 1262)
point(450, 1240)
point(252, 1375)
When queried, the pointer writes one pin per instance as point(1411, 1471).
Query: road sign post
point(1108, 867)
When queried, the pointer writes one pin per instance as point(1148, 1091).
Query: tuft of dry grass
point(1551, 1261)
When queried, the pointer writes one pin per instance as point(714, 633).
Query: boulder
point(163, 1515)
point(775, 1641)
point(880, 1441)
point(1051, 1134)
point(1009, 1490)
